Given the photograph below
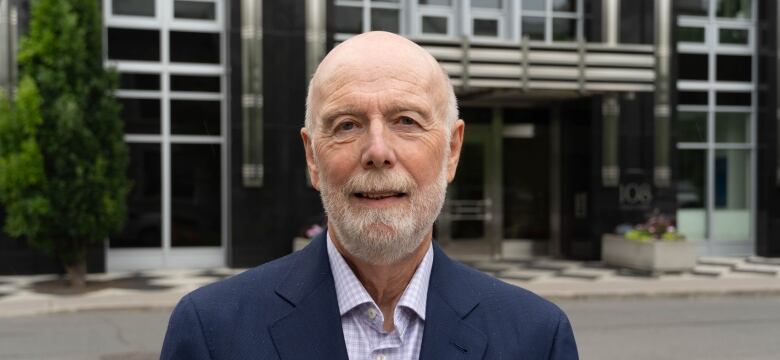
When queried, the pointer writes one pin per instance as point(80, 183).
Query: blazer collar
point(312, 327)
point(451, 298)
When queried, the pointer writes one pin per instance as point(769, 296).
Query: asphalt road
point(703, 328)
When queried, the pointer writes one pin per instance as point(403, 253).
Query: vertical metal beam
point(555, 248)
point(524, 60)
point(315, 34)
point(252, 92)
point(663, 23)
point(7, 47)
point(777, 94)
point(495, 182)
point(610, 170)
point(610, 24)
point(465, 62)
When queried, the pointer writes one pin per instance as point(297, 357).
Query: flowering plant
point(313, 231)
point(658, 227)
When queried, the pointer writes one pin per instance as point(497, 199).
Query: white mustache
point(379, 181)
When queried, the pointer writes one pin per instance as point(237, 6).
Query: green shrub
point(63, 159)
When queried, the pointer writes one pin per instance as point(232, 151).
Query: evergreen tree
point(63, 159)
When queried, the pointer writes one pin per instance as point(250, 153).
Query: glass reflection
point(564, 30)
point(486, 4)
point(565, 5)
point(732, 127)
point(196, 201)
point(133, 7)
point(740, 9)
point(693, 7)
point(485, 27)
point(194, 47)
point(385, 20)
point(349, 19)
point(692, 126)
point(533, 27)
point(692, 193)
point(434, 25)
point(144, 221)
point(196, 10)
point(195, 117)
point(526, 187)
point(141, 116)
point(132, 44)
point(534, 5)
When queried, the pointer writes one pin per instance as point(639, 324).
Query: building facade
point(581, 115)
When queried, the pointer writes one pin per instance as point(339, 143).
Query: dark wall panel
point(637, 22)
point(265, 220)
point(768, 204)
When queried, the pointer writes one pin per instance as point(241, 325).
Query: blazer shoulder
point(256, 285)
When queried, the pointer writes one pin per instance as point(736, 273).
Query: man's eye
point(346, 126)
point(405, 120)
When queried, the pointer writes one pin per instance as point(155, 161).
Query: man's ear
point(310, 164)
point(456, 144)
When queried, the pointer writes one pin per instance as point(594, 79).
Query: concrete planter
point(651, 256)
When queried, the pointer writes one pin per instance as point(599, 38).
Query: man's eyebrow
point(330, 115)
point(400, 107)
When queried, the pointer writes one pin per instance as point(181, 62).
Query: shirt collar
point(351, 293)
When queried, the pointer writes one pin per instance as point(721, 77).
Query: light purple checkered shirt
point(362, 322)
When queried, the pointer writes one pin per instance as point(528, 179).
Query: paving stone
point(720, 260)
point(559, 265)
point(710, 270)
point(525, 274)
point(493, 266)
point(584, 273)
point(756, 269)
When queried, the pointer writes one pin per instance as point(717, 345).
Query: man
point(382, 139)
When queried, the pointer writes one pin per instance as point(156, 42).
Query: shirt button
point(372, 315)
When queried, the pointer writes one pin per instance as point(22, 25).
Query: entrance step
point(720, 261)
point(757, 269)
point(710, 270)
point(763, 261)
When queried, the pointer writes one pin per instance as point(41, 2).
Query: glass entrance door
point(526, 184)
point(464, 225)
point(170, 56)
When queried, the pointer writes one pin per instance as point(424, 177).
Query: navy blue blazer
point(287, 309)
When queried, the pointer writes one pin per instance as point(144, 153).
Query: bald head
point(375, 56)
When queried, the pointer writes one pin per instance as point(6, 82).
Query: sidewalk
point(555, 279)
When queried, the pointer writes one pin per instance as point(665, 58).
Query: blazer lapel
point(312, 328)
point(446, 334)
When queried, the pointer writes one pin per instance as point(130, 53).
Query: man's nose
point(378, 152)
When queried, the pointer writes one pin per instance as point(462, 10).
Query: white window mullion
point(581, 22)
point(366, 15)
point(164, 8)
point(710, 168)
point(548, 21)
point(224, 135)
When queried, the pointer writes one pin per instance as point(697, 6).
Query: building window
point(551, 20)
point(133, 7)
point(357, 16)
point(716, 121)
point(490, 20)
point(170, 58)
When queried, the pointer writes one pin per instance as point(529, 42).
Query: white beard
point(383, 236)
